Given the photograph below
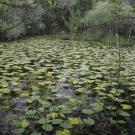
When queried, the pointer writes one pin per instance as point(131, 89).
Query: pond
point(49, 86)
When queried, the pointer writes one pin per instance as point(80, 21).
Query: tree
point(20, 17)
point(105, 13)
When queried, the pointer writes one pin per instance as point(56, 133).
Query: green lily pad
point(47, 127)
point(89, 121)
point(57, 121)
point(24, 124)
point(66, 125)
point(87, 111)
point(64, 132)
point(44, 120)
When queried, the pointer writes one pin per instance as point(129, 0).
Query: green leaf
point(36, 97)
point(66, 125)
point(30, 112)
point(44, 120)
point(5, 90)
point(19, 131)
point(97, 106)
point(41, 109)
point(89, 121)
point(126, 107)
point(99, 76)
point(124, 114)
point(50, 2)
point(44, 103)
point(24, 124)
point(80, 90)
point(121, 121)
point(57, 121)
point(47, 127)
point(87, 111)
point(74, 121)
point(64, 132)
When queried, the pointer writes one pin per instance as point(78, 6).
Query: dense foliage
point(32, 17)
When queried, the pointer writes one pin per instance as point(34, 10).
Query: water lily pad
point(31, 112)
point(74, 121)
point(47, 127)
point(66, 125)
point(89, 121)
point(57, 121)
point(64, 132)
point(24, 124)
point(87, 111)
point(44, 120)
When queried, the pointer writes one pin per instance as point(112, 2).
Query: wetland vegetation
point(77, 77)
